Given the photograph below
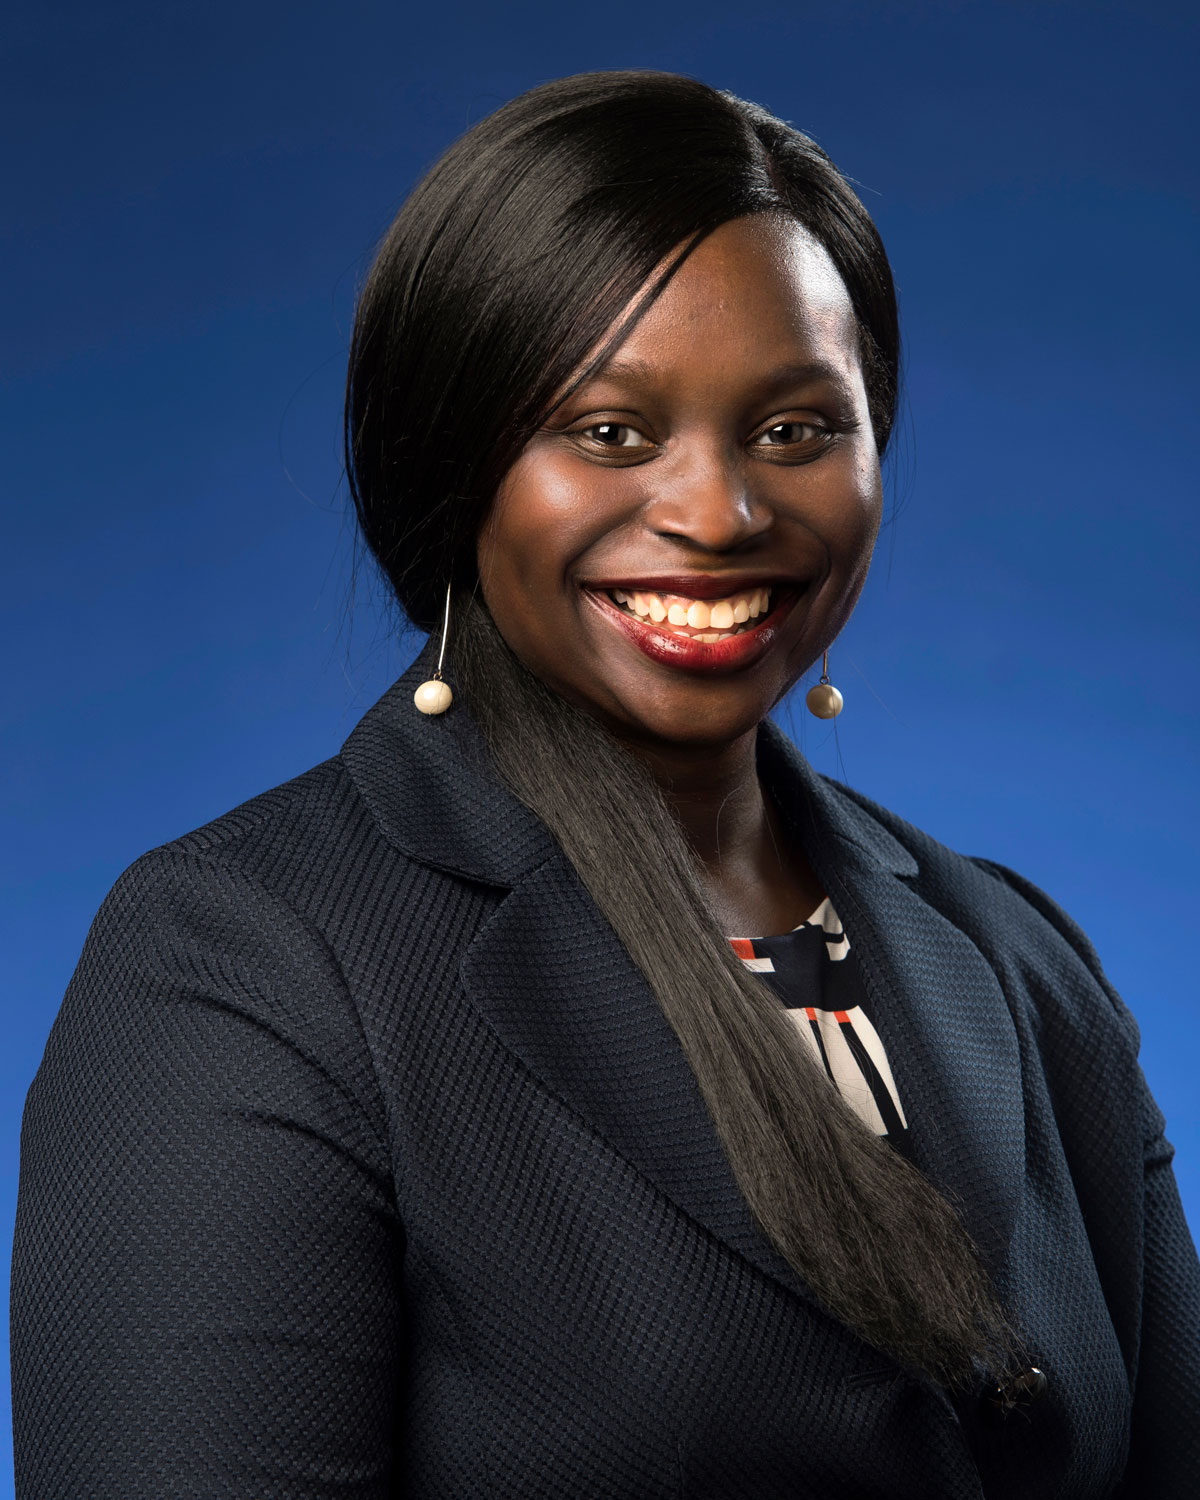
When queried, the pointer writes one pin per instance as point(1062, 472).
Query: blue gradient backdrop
point(191, 196)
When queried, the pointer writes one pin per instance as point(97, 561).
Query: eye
point(615, 435)
point(794, 434)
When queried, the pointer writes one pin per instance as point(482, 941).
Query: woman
point(416, 1128)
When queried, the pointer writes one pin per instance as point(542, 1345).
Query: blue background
point(191, 196)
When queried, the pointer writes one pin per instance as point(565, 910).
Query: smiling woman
point(564, 1090)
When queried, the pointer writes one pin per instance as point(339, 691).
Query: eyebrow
point(632, 371)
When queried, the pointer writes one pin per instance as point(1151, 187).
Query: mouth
point(698, 624)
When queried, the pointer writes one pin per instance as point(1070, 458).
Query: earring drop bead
point(433, 697)
point(824, 700)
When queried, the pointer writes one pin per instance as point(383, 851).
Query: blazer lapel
point(936, 1002)
point(547, 972)
point(430, 785)
point(560, 991)
point(558, 988)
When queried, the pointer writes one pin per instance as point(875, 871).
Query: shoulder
point(269, 836)
point(300, 897)
point(254, 860)
point(219, 914)
point(245, 913)
point(207, 990)
point(308, 845)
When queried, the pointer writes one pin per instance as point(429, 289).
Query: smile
point(697, 619)
point(697, 625)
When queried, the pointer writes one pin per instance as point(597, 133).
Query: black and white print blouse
point(813, 972)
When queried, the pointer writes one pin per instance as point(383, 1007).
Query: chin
point(660, 708)
point(688, 727)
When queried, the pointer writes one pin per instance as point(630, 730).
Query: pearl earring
point(823, 698)
point(434, 696)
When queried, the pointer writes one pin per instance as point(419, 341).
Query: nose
point(709, 504)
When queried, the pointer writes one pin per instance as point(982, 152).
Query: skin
point(701, 461)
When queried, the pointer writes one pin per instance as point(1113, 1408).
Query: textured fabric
point(361, 1162)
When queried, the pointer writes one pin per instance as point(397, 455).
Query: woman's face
point(693, 526)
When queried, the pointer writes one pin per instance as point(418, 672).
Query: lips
point(671, 619)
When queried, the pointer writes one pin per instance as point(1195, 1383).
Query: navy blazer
point(361, 1162)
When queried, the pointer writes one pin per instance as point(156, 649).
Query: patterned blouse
point(814, 973)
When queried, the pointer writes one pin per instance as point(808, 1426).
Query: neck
point(715, 794)
point(756, 883)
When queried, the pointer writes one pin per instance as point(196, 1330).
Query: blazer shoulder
point(290, 839)
point(303, 807)
point(224, 899)
point(297, 892)
point(220, 920)
point(229, 906)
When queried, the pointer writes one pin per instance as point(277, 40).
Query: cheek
point(546, 516)
point(532, 524)
point(524, 552)
point(855, 525)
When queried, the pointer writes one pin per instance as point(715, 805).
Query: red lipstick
point(661, 645)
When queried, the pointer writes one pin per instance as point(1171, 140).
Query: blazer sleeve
point(205, 1263)
point(1164, 1459)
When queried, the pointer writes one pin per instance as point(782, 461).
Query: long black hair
point(509, 263)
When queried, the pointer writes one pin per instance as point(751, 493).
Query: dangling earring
point(434, 696)
point(823, 698)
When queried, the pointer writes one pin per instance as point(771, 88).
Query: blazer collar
point(554, 983)
point(429, 781)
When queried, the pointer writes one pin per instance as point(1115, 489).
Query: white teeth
point(698, 615)
point(717, 619)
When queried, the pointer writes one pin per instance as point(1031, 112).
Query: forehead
point(757, 293)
